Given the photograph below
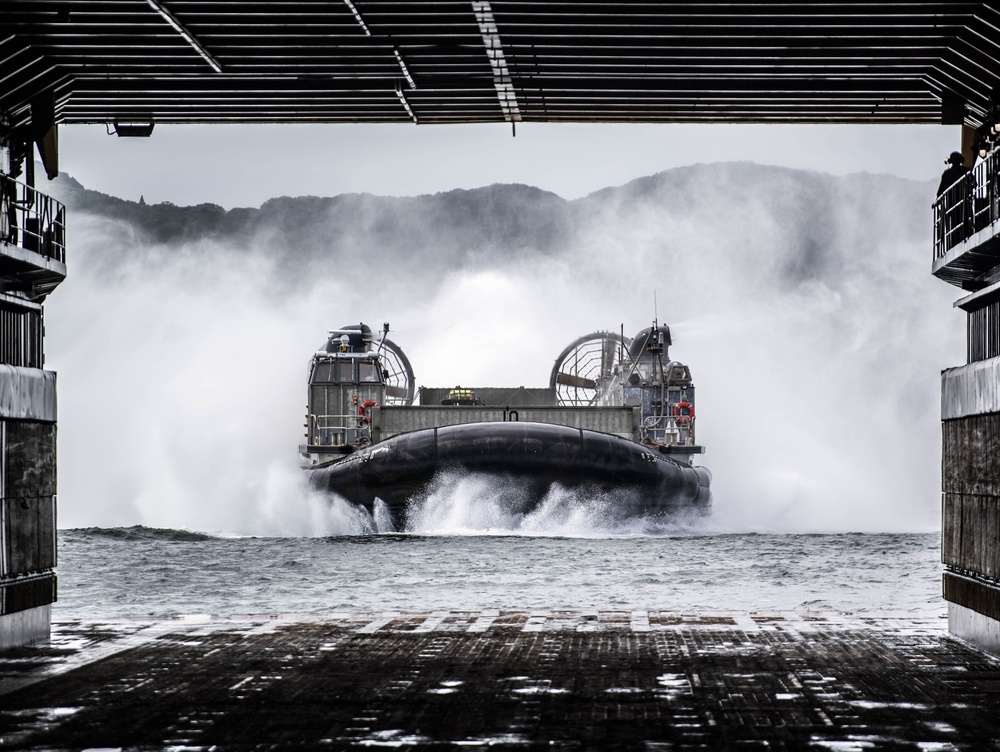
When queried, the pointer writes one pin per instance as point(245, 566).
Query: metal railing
point(668, 430)
point(336, 430)
point(971, 204)
point(31, 220)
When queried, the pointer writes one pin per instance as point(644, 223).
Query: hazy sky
point(871, 314)
point(245, 165)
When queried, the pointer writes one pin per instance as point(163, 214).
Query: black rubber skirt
point(536, 455)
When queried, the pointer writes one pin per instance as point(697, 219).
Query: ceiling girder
point(497, 60)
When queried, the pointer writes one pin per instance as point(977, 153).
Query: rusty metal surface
point(508, 680)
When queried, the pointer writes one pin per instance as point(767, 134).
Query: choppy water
point(142, 571)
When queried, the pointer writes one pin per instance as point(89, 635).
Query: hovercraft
point(618, 416)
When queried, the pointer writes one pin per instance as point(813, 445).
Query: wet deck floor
point(506, 680)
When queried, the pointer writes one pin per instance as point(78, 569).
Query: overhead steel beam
point(357, 15)
point(406, 105)
point(860, 61)
point(190, 38)
point(498, 63)
point(406, 71)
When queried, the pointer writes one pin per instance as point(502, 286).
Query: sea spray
point(284, 505)
point(805, 310)
point(461, 503)
point(383, 517)
point(467, 503)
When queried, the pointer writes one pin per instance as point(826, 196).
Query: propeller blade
point(568, 379)
point(397, 392)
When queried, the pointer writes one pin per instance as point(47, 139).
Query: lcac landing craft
point(618, 415)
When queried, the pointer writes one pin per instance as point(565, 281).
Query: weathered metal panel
point(972, 389)
point(27, 593)
point(982, 597)
point(27, 393)
point(971, 626)
point(495, 396)
point(25, 627)
point(390, 421)
point(970, 535)
point(27, 509)
point(951, 529)
point(29, 460)
point(970, 455)
point(29, 535)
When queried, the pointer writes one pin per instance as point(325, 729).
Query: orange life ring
point(364, 406)
point(686, 416)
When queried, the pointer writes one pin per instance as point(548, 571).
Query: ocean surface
point(139, 572)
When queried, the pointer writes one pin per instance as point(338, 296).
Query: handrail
point(31, 220)
point(970, 204)
point(669, 430)
point(326, 429)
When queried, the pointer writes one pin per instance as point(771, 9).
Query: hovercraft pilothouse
point(618, 415)
point(350, 377)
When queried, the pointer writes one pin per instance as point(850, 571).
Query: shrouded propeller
point(399, 384)
point(568, 379)
point(585, 368)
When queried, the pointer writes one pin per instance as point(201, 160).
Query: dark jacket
point(953, 174)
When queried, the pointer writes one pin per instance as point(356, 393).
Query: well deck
point(562, 680)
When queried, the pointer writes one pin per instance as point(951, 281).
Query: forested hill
point(815, 216)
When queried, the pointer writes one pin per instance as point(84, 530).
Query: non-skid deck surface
point(503, 680)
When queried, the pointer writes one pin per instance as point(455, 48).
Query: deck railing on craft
point(971, 204)
point(337, 430)
point(669, 430)
point(31, 220)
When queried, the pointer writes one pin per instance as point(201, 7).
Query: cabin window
point(322, 373)
point(345, 371)
point(367, 371)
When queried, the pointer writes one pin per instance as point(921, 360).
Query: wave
point(140, 533)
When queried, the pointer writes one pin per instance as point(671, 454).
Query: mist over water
point(803, 304)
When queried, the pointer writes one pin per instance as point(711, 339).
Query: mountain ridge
point(815, 219)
